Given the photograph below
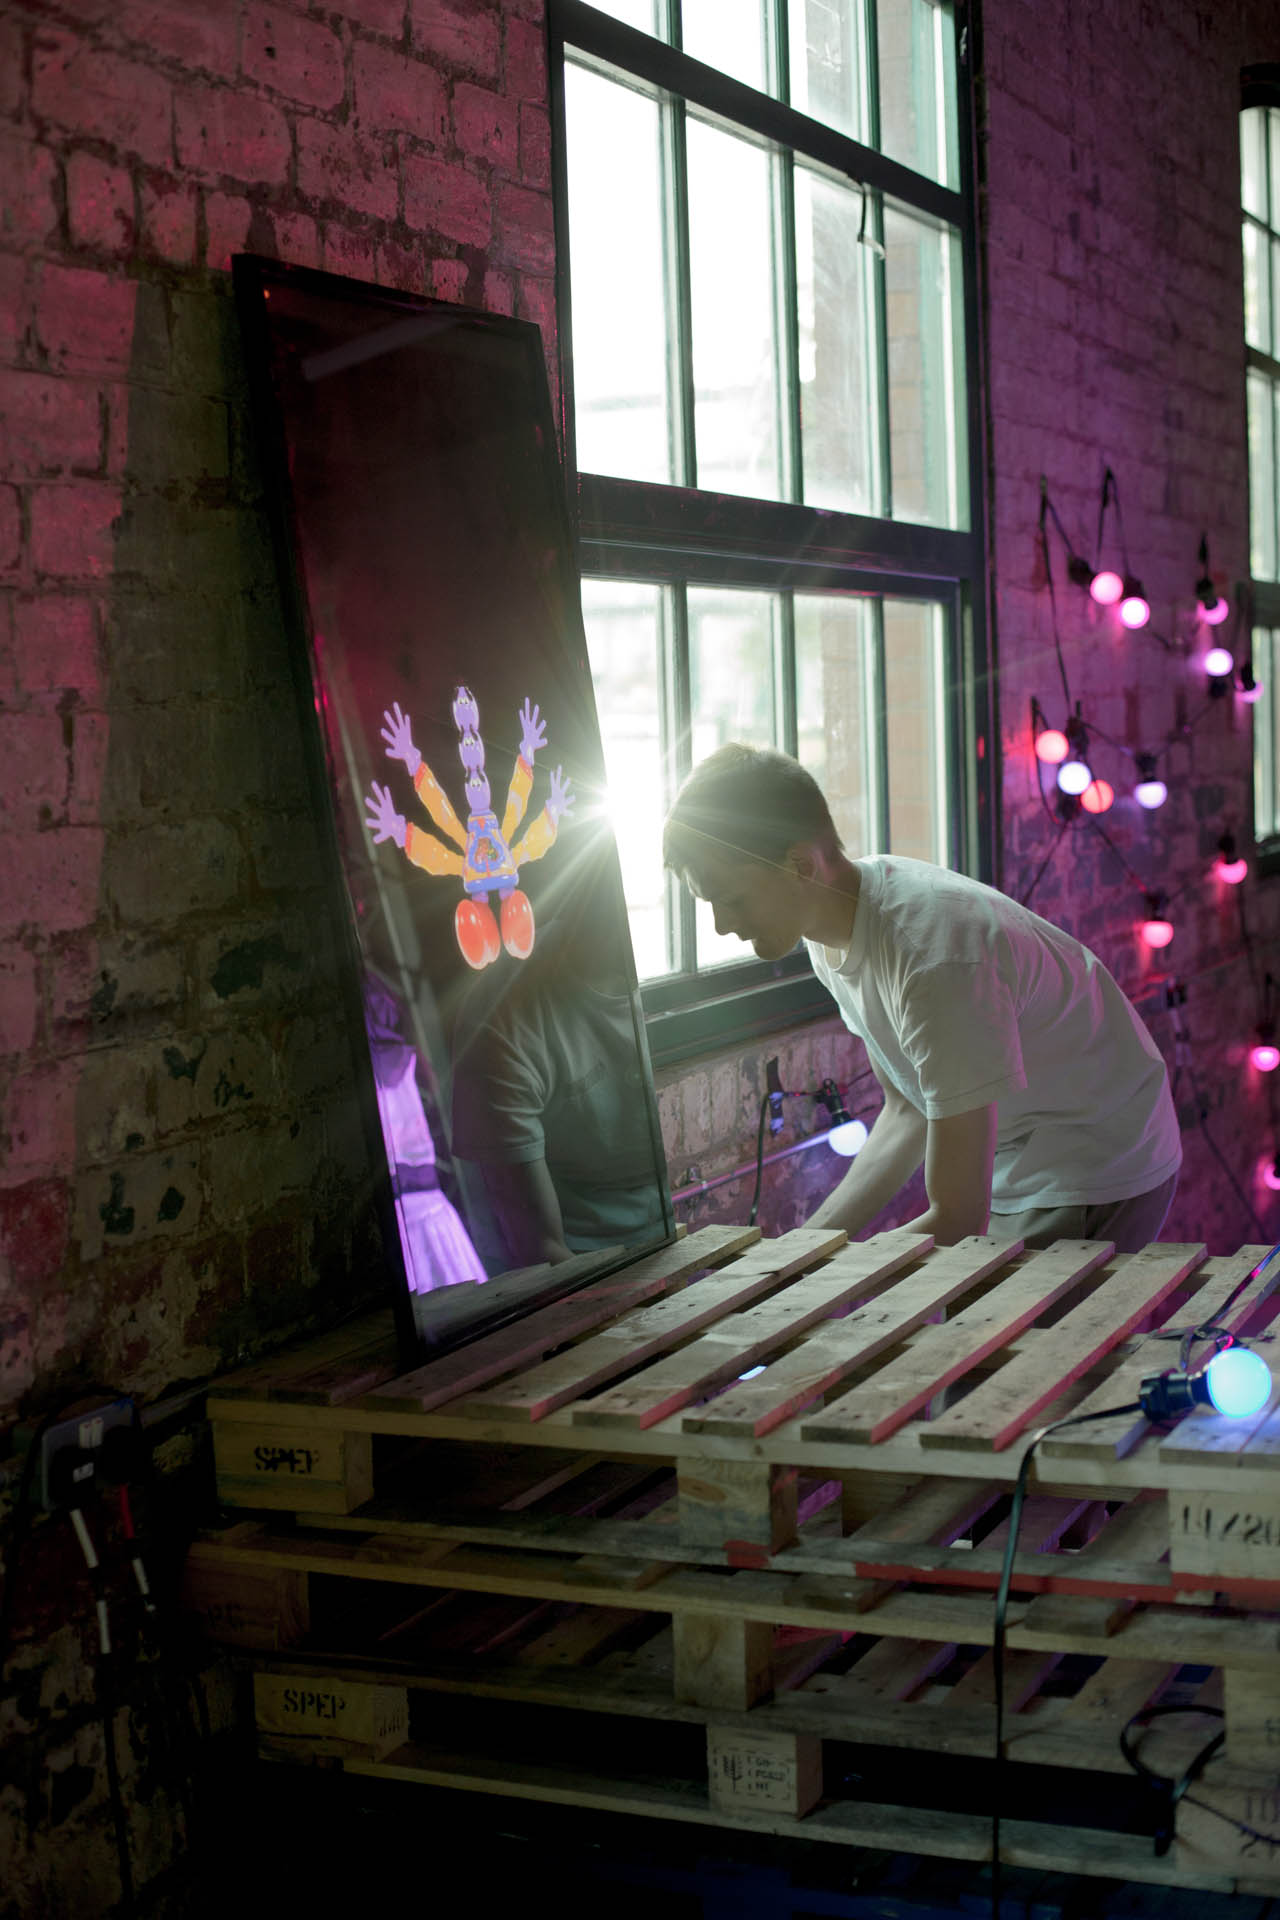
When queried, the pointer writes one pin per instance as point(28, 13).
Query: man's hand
point(958, 1159)
point(383, 822)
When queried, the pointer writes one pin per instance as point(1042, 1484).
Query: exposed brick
point(48, 424)
point(499, 292)
point(161, 872)
point(34, 1218)
point(78, 86)
point(525, 228)
point(104, 991)
point(84, 318)
point(297, 239)
point(169, 210)
point(524, 63)
point(50, 879)
point(28, 186)
point(294, 56)
point(536, 301)
point(90, 743)
point(486, 126)
point(461, 33)
point(100, 205)
point(393, 91)
point(115, 1101)
point(262, 963)
point(10, 529)
point(14, 304)
point(73, 529)
point(226, 229)
point(19, 1001)
point(34, 759)
point(204, 1077)
point(401, 267)
point(449, 280)
point(439, 198)
point(535, 146)
point(219, 132)
point(57, 645)
point(11, 65)
point(141, 1198)
point(340, 164)
point(348, 252)
point(198, 37)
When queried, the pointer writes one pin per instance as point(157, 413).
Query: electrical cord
point(786, 1093)
point(106, 1694)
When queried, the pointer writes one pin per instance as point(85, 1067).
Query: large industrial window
point(768, 315)
point(1260, 200)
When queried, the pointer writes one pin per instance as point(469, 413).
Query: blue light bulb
point(848, 1138)
point(1239, 1381)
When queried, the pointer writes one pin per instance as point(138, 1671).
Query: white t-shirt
point(963, 997)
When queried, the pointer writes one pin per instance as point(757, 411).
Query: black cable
point(1002, 1603)
point(1053, 598)
point(1171, 1791)
point(1041, 869)
point(755, 1197)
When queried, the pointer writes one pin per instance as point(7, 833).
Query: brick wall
point(183, 1176)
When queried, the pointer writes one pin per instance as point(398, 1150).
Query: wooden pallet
point(605, 1455)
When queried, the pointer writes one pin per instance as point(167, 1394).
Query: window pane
point(730, 35)
point(1257, 305)
point(1253, 161)
point(1273, 148)
point(1262, 501)
point(916, 46)
point(731, 693)
point(735, 332)
point(838, 387)
point(625, 624)
point(1274, 346)
point(829, 64)
point(925, 327)
point(622, 406)
point(835, 706)
point(915, 748)
point(1266, 814)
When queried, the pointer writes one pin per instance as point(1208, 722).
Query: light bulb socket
point(830, 1096)
point(1079, 572)
point(1146, 765)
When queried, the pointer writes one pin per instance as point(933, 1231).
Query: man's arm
point(527, 1206)
point(958, 1158)
point(894, 1149)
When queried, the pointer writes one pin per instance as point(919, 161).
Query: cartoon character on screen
point(486, 861)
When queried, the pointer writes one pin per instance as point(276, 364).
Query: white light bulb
point(1151, 793)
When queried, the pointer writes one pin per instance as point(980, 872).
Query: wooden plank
point(944, 1354)
point(1222, 1535)
point(1206, 1829)
point(739, 1342)
point(831, 1355)
point(1115, 1438)
point(530, 1339)
point(301, 1469)
point(273, 1377)
point(265, 1608)
point(1023, 1672)
point(891, 1670)
point(326, 1717)
point(646, 1331)
point(996, 1412)
point(721, 1661)
point(727, 1502)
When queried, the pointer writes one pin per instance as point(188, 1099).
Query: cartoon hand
point(399, 740)
point(559, 800)
point(533, 732)
point(384, 823)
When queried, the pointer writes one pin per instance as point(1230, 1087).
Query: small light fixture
point(1248, 688)
point(846, 1136)
point(1106, 587)
point(1265, 1055)
point(1052, 746)
point(1271, 1173)
point(1229, 866)
point(1237, 1382)
point(1135, 610)
point(1149, 792)
point(1098, 797)
point(1218, 663)
point(1074, 776)
point(1210, 605)
point(1155, 929)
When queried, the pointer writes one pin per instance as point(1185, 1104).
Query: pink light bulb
point(1215, 615)
point(1218, 662)
point(1098, 796)
point(1106, 587)
point(1157, 933)
point(1265, 1057)
point(1134, 611)
point(1250, 694)
point(1051, 746)
point(1271, 1174)
point(1232, 871)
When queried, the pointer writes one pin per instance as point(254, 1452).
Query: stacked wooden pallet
point(718, 1539)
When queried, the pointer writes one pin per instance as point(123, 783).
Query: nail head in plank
point(829, 1356)
point(997, 1411)
point(943, 1354)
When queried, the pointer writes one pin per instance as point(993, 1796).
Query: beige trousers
point(1132, 1224)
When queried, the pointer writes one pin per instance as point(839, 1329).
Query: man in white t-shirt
point(1012, 1064)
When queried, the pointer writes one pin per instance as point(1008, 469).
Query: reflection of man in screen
point(550, 1097)
point(437, 1248)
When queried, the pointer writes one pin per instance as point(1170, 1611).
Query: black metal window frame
point(679, 535)
point(1261, 88)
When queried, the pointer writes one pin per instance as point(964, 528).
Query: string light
point(1210, 605)
point(1052, 746)
point(1271, 1173)
point(1248, 688)
point(1098, 796)
point(1135, 609)
point(1106, 587)
point(1155, 929)
point(1265, 1055)
point(1150, 791)
point(1229, 866)
point(1218, 663)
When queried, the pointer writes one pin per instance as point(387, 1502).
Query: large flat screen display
point(426, 561)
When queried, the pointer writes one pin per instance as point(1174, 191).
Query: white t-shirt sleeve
point(960, 1032)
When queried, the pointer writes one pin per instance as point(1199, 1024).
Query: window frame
point(1260, 87)
point(643, 530)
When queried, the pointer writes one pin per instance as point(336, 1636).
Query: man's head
point(749, 830)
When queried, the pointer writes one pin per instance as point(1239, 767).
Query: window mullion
point(877, 733)
point(785, 674)
point(679, 760)
point(878, 335)
point(679, 291)
point(787, 307)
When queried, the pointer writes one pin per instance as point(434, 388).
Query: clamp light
point(1237, 1382)
point(847, 1136)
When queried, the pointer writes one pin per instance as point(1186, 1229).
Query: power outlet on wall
point(74, 1451)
